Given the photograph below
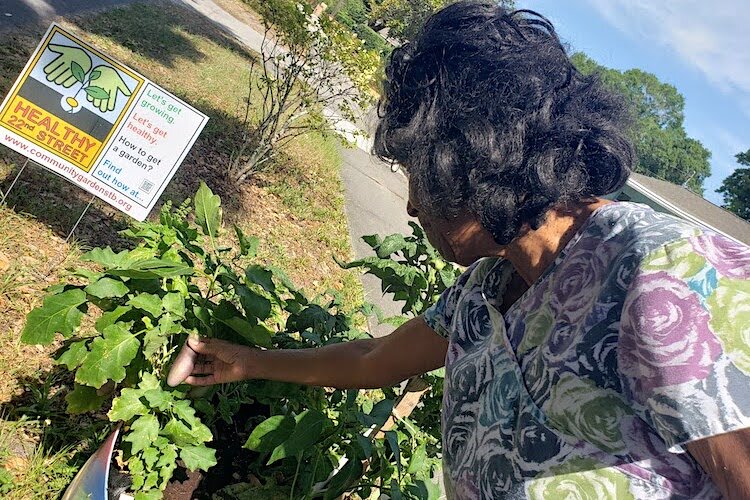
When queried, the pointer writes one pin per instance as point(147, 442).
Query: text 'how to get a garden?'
point(98, 123)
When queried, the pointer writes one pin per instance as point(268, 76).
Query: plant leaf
point(127, 405)
point(148, 494)
point(106, 257)
point(372, 239)
point(167, 463)
point(365, 444)
point(174, 303)
point(186, 412)
point(390, 245)
point(392, 439)
point(107, 288)
point(203, 315)
point(182, 435)
point(147, 302)
point(58, 314)
point(153, 341)
point(77, 71)
point(255, 306)
point(256, 334)
point(248, 244)
point(96, 92)
point(309, 427)
point(270, 433)
point(109, 318)
point(89, 275)
point(207, 210)
point(159, 399)
point(74, 355)
point(95, 74)
point(153, 268)
point(344, 478)
point(260, 276)
point(136, 470)
point(108, 357)
point(378, 414)
point(198, 457)
point(152, 479)
point(418, 459)
point(311, 317)
point(143, 431)
point(395, 489)
point(83, 399)
point(179, 433)
point(150, 456)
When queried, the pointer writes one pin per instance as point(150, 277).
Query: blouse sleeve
point(684, 349)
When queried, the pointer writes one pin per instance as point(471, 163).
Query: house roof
point(691, 206)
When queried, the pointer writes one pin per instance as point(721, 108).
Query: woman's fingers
point(182, 366)
point(217, 362)
point(215, 347)
point(200, 381)
point(203, 366)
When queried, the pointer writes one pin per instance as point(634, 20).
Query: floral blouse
point(634, 342)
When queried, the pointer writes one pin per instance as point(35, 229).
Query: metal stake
point(79, 218)
point(5, 195)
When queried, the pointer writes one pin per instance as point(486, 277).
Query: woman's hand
point(219, 362)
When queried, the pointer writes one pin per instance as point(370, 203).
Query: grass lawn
point(296, 209)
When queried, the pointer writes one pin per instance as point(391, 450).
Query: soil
point(233, 461)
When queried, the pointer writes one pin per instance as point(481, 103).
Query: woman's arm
point(412, 349)
point(726, 458)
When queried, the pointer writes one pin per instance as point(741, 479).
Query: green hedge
point(373, 41)
point(356, 10)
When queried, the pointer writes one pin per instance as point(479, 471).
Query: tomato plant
point(412, 271)
point(181, 280)
point(409, 268)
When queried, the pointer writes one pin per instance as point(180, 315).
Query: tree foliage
point(405, 18)
point(311, 75)
point(355, 15)
point(664, 148)
point(736, 188)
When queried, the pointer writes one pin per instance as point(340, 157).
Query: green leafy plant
point(148, 299)
point(409, 268)
point(181, 280)
point(412, 271)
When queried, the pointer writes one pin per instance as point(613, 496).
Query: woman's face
point(462, 240)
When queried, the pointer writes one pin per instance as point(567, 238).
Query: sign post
point(97, 123)
point(15, 179)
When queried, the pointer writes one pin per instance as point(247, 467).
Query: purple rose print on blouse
point(728, 257)
point(665, 337)
point(572, 288)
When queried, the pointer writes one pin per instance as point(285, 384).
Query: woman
point(592, 349)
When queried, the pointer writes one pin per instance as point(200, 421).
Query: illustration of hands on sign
point(101, 84)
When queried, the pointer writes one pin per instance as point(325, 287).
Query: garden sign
point(98, 123)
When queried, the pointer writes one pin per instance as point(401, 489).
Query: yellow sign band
point(50, 132)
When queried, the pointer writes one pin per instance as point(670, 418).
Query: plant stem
point(86, 82)
point(296, 474)
point(312, 478)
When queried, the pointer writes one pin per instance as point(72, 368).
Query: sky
point(700, 47)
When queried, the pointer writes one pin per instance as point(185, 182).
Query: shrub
point(299, 78)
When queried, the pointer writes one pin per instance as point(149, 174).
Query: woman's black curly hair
point(486, 113)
